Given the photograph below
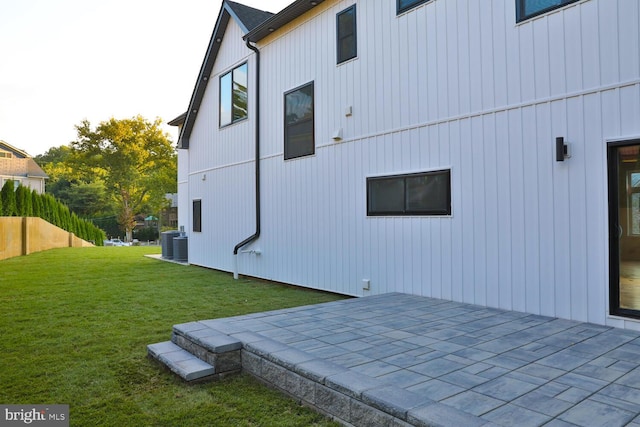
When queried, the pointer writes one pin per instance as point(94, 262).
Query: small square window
point(346, 34)
point(197, 215)
point(299, 122)
point(426, 193)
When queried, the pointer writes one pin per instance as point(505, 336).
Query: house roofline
point(277, 21)
point(178, 121)
point(17, 150)
point(227, 11)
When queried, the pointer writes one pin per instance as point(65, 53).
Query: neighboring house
point(418, 147)
point(169, 215)
point(19, 167)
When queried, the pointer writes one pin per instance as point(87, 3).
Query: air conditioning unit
point(180, 249)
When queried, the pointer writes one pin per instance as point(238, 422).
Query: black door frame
point(614, 229)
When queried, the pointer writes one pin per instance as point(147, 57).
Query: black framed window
point(233, 95)
point(404, 5)
point(197, 215)
point(299, 138)
point(526, 9)
point(425, 193)
point(346, 34)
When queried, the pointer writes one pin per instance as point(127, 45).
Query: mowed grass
point(75, 324)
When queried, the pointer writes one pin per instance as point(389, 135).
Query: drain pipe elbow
point(255, 235)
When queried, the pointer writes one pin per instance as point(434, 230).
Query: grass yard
point(75, 324)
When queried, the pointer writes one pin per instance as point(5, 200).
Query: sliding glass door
point(624, 228)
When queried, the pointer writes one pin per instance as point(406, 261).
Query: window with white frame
point(526, 9)
point(233, 95)
point(424, 193)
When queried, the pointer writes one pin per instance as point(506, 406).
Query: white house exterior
point(460, 103)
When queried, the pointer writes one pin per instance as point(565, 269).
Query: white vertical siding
point(450, 84)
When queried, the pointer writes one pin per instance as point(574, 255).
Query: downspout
point(255, 235)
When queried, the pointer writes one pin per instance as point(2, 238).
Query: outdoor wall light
point(562, 149)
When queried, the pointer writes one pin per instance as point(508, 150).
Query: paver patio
point(398, 359)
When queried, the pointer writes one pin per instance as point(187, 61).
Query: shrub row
point(22, 201)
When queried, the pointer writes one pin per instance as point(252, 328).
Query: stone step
point(181, 362)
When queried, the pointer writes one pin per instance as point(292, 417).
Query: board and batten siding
point(221, 166)
point(453, 84)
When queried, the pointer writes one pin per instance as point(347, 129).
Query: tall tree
point(133, 157)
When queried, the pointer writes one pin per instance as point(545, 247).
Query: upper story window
point(404, 5)
point(233, 95)
point(424, 193)
point(526, 9)
point(299, 122)
point(346, 34)
point(5, 154)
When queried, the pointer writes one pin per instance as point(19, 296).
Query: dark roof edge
point(203, 76)
point(226, 12)
point(286, 15)
point(178, 121)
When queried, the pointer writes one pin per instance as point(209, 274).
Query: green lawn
point(75, 324)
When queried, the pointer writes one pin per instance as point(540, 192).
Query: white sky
point(63, 61)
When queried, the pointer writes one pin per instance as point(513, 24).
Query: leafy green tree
point(8, 196)
point(136, 160)
point(88, 199)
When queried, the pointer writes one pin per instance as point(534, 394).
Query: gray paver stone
point(394, 400)
point(318, 370)
point(290, 357)
point(184, 328)
point(220, 343)
point(595, 414)
point(265, 347)
point(505, 388)
point(512, 415)
point(439, 415)
point(352, 383)
point(541, 402)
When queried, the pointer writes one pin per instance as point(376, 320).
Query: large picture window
point(526, 9)
point(346, 37)
point(404, 5)
point(425, 193)
point(233, 95)
point(298, 122)
point(197, 215)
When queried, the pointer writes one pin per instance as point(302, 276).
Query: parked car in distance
point(115, 242)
